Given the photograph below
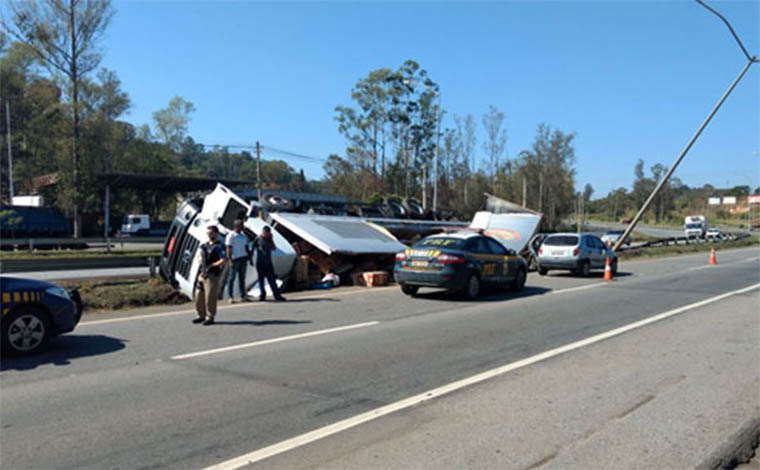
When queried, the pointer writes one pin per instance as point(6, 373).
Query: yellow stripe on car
point(6, 297)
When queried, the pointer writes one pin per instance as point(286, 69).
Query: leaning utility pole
point(10, 155)
point(258, 170)
point(750, 60)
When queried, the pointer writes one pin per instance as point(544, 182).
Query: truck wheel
point(25, 330)
point(409, 290)
point(472, 287)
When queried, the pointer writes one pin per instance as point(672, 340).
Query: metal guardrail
point(94, 262)
point(32, 243)
point(673, 241)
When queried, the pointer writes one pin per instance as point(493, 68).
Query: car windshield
point(441, 242)
point(562, 240)
point(615, 232)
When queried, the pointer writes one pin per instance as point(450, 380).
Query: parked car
point(612, 237)
point(460, 261)
point(579, 253)
point(713, 233)
point(33, 312)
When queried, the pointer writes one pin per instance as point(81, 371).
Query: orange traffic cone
point(712, 256)
point(607, 270)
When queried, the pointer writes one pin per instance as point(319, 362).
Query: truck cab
point(179, 264)
point(695, 226)
point(135, 223)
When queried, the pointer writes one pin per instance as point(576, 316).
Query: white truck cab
point(221, 207)
point(695, 226)
point(134, 223)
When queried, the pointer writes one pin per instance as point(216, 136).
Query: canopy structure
point(168, 183)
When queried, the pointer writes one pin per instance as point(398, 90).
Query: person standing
point(264, 245)
point(238, 254)
point(212, 258)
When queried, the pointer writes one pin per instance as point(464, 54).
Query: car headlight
point(58, 292)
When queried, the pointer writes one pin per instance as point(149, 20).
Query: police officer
point(264, 245)
point(212, 258)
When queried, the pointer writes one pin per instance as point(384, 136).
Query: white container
point(28, 201)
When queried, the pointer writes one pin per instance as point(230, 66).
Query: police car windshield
point(440, 242)
point(562, 240)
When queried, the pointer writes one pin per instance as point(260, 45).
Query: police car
point(461, 261)
point(33, 312)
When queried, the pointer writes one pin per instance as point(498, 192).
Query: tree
point(588, 190)
point(496, 140)
point(465, 136)
point(64, 35)
point(171, 122)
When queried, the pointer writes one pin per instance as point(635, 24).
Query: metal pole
point(10, 155)
point(686, 149)
point(437, 144)
point(258, 170)
point(525, 192)
point(107, 229)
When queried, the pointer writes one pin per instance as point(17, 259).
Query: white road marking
point(227, 307)
point(317, 434)
point(273, 340)
point(572, 289)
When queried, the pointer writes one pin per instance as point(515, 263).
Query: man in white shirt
point(238, 253)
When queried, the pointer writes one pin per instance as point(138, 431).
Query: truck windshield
point(698, 226)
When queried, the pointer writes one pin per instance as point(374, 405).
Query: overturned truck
point(312, 246)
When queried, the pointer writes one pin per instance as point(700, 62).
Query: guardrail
point(40, 243)
point(672, 241)
point(93, 262)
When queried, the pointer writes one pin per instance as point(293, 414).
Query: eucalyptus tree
point(64, 35)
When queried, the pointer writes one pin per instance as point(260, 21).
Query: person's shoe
point(208, 322)
point(233, 300)
point(261, 299)
point(280, 299)
point(198, 320)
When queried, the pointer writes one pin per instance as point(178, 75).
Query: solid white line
point(272, 340)
point(306, 438)
point(572, 289)
point(227, 307)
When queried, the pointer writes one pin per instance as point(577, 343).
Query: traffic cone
point(712, 256)
point(607, 270)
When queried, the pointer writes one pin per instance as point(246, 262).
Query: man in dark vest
point(264, 245)
point(212, 257)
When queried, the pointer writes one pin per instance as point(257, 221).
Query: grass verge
point(662, 251)
point(117, 294)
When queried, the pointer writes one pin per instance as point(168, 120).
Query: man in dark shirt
point(212, 258)
point(264, 245)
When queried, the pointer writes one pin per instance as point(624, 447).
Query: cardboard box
point(375, 278)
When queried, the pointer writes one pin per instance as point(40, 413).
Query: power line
point(267, 150)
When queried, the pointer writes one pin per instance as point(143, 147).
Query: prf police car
point(460, 261)
point(33, 312)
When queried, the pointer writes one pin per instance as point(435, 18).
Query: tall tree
point(496, 140)
point(64, 35)
point(588, 191)
point(171, 122)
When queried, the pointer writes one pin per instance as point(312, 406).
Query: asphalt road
point(154, 390)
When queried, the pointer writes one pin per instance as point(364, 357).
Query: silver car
point(579, 253)
point(612, 236)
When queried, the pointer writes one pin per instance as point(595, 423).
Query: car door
point(504, 270)
point(481, 252)
point(600, 251)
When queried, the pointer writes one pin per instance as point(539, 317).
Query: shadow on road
point(297, 300)
point(261, 322)
point(63, 349)
point(487, 296)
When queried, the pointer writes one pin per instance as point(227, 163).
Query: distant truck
point(139, 225)
point(695, 226)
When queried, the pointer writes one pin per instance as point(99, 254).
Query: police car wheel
point(25, 331)
point(542, 271)
point(409, 290)
point(519, 281)
point(472, 287)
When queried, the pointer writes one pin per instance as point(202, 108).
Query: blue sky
point(633, 79)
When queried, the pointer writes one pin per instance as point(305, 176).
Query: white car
point(713, 233)
point(612, 236)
